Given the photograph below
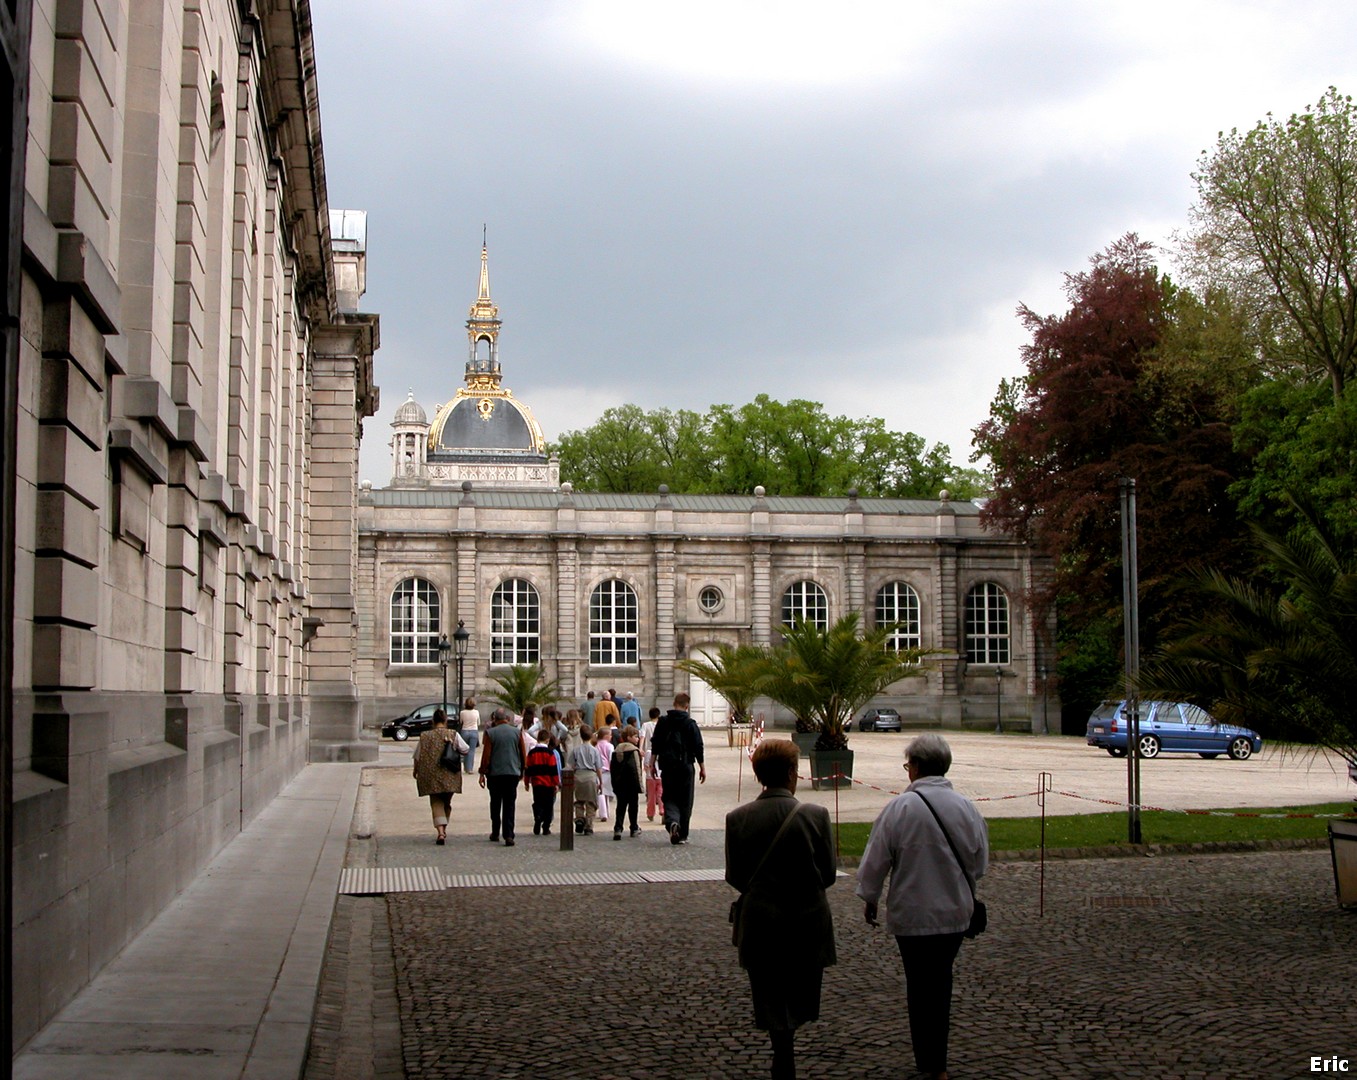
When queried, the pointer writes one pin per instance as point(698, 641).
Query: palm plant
point(734, 673)
point(827, 675)
point(1281, 659)
point(525, 684)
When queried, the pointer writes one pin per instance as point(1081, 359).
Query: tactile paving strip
point(376, 880)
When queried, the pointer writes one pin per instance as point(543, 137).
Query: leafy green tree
point(788, 448)
point(619, 453)
point(734, 672)
point(525, 684)
point(829, 674)
point(1280, 658)
point(1275, 225)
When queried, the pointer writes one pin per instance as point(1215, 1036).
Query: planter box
point(826, 764)
point(1343, 850)
point(805, 741)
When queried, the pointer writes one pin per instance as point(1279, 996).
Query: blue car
point(1170, 727)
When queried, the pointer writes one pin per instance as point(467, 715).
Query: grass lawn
point(1156, 827)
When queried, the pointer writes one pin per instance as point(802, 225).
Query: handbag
point(450, 759)
point(979, 914)
point(737, 905)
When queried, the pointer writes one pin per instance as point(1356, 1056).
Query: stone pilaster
point(341, 396)
point(666, 646)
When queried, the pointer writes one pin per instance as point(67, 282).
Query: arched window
point(414, 623)
point(515, 624)
point(897, 604)
point(613, 622)
point(807, 601)
point(986, 624)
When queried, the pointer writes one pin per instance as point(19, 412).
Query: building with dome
point(608, 590)
point(484, 435)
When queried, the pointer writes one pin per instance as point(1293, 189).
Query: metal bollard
point(567, 817)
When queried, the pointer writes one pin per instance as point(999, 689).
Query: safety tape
point(1089, 798)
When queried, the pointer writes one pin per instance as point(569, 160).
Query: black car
point(415, 722)
point(880, 720)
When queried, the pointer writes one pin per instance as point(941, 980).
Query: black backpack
point(624, 772)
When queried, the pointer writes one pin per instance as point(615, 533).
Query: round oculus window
point(710, 599)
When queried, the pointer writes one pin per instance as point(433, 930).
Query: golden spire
point(482, 329)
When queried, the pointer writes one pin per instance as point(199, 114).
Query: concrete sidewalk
point(223, 982)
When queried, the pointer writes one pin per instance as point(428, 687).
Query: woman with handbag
point(780, 856)
point(934, 844)
point(438, 770)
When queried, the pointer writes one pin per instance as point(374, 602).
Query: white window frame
point(416, 622)
point(807, 601)
point(614, 625)
point(897, 602)
point(987, 625)
point(515, 623)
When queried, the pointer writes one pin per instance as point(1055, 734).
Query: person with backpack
point(627, 780)
point(678, 746)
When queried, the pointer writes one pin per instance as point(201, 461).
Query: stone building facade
point(610, 590)
point(192, 373)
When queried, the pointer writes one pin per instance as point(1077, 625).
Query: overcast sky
point(697, 202)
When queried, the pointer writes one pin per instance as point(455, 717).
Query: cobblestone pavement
point(1204, 966)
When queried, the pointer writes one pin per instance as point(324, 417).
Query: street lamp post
point(998, 701)
point(1045, 724)
point(462, 636)
point(444, 651)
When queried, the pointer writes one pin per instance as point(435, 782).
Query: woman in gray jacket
point(780, 856)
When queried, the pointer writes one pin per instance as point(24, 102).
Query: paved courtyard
point(1186, 966)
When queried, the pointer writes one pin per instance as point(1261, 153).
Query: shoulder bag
point(979, 915)
point(450, 759)
point(737, 904)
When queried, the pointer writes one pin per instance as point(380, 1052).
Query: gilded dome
point(485, 422)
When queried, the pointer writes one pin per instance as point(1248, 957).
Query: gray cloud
point(676, 239)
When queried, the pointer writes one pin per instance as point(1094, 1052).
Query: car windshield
point(1107, 710)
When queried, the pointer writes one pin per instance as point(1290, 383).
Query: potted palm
point(734, 673)
point(828, 675)
point(525, 684)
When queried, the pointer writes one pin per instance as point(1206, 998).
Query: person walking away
point(469, 727)
point(630, 711)
point(654, 783)
point(531, 724)
point(603, 739)
point(543, 779)
point(551, 722)
point(627, 780)
point(780, 856)
point(931, 897)
point(678, 745)
point(583, 759)
point(605, 710)
point(432, 778)
point(503, 757)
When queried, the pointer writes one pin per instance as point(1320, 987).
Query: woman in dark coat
point(431, 779)
point(783, 926)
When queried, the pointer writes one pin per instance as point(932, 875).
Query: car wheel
point(1116, 751)
point(400, 734)
point(1241, 749)
point(1209, 756)
point(1149, 746)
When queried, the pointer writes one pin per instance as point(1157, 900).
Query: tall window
point(807, 601)
point(414, 623)
point(986, 625)
point(897, 604)
point(515, 624)
point(613, 622)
